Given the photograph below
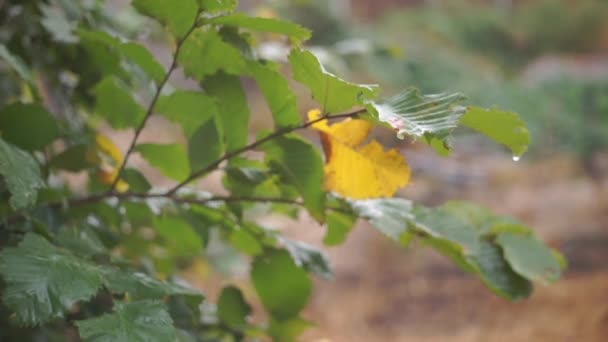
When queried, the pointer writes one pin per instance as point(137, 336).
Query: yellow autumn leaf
point(355, 170)
point(110, 159)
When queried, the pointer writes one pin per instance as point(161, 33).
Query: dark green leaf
point(21, 174)
point(227, 90)
point(389, 215)
point(295, 32)
point(81, 240)
point(338, 227)
point(188, 108)
point(280, 98)
point(205, 145)
point(503, 127)
point(205, 53)
point(142, 286)
point(179, 235)
point(529, 257)
point(137, 182)
point(74, 159)
point(430, 116)
point(178, 17)
point(301, 166)
point(44, 281)
point(170, 159)
point(15, 63)
point(332, 93)
point(308, 257)
point(232, 308)
point(29, 126)
point(140, 321)
point(115, 103)
point(283, 287)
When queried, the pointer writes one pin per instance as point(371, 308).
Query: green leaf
point(232, 308)
point(308, 257)
point(73, 159)
point(288, 330)
point(205, 145)
point(440, 223)
point(338, 227)
point(227, 90)
point(170, 159)
point(137, 182)
point(503, 127)
point(218, 5)
point(115, 103)
point(388, 215)
point(21, 174)
point(81, 240)
point(245, 242)
point(188, 108)
point(56, 22)
point(498, 275)
point(280, 98)
point(529, 257)
point(15, 63)
point(179, 235)
point(430, 116)
point(43, 281)
point(205, 53)
point(295, 32)
point(300, 165)
point(283, 287)
point(141, 286)
point(178, 17)
point(140, 321)
point(331, 92)
point(29, 126)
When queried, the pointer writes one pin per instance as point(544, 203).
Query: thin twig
point(152, 104)
point(253, 145)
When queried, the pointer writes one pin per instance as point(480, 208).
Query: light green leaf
point(245, 242)
point(21, 174)
point(205, 53)
point(114, 102)
point(308, 257)
point(388, 215)
point(338, 227)
point(430, 116)
point(440, 223)
point(179, 235)
point(140, 321)
point(232, 308)
point(43, 281)
point(503, 127)
point(280, 98)
point(15, 63)
point(29, 126)
point(170, 159)
point(205, 145)
point(332, 93)
point(234, 113)
point(188, 108)
point(300, 165)
point(294, 31)
point(178, 17)
point(56, 22)
point(288, 330)
point(529, 257)
point(283, 287)
point(214, 6)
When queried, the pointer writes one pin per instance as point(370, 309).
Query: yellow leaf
point(107, 147)
point(355, 170)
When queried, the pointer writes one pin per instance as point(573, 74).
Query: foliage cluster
point(101, 263)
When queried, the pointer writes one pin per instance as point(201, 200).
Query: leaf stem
point(152, 104)
point(283, 131)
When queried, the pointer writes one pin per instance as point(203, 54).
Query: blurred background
point(545, 60)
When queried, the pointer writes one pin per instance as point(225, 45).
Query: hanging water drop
point(516, 158)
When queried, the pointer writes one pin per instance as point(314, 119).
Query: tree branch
point(253, 145)
point(152, 104)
